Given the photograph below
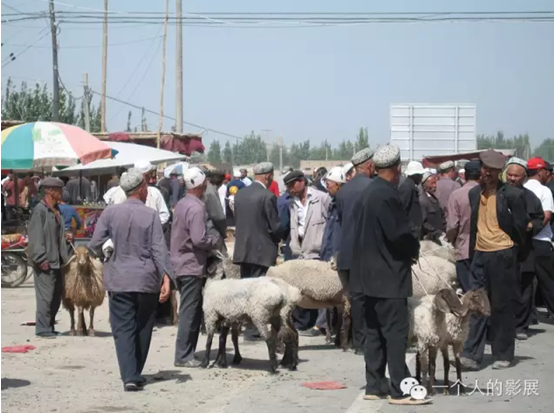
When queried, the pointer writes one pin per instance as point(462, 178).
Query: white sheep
point(264, 302)
point(440, 247)
point(428, 329)
point(431, 274)
point(457, 329)
point(83, 289)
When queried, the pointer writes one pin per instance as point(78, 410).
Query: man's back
point(458, 218)
point(384, 244)
point(347, 207)
point(257, 226)
point(140, 254)
point(445, 187)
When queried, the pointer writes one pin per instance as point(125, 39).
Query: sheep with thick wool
point(431, 274)
point(83, 289)
point(265, 302)
point(428, 330)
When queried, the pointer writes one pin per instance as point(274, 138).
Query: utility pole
point(104, 66)
point(55, 85)
point(179, 69)
point(266, 141)
point(161, 121)
point(86, 109)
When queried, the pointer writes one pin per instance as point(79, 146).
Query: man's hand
point(68, 236)
point(165, 290)
point(530, 226)
point(45, 266)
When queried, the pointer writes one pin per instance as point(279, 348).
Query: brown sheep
point(83, 289)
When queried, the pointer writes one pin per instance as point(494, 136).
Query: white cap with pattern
point(194, 177)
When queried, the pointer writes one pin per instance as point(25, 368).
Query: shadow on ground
point(14, 383)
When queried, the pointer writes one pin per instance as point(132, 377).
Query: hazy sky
point(317, 83)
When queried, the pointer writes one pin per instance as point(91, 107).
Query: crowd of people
point(366, 214)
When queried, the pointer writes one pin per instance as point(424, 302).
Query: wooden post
point(161, 121)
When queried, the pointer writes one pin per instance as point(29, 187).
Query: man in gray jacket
point(47, 252)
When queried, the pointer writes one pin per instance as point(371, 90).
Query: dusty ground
point(75, 374)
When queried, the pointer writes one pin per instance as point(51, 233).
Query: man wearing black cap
point(499, 222)
point(348, 205)
point(47, 252)
point(458, 215)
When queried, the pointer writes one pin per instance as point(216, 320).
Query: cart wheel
point(14, 270)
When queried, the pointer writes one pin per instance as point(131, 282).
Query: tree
point(36, 105)
point(214, 154)
point(362, 139)
point(275, 158)
point(545, 150)
point(129, 116)
point(227, 153)
point(143, 124)
point(250, 150)
point(521, 143)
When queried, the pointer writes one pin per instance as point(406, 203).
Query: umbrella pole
point(81, 186)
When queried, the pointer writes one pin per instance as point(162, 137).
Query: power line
point(29, 46)
point(93, 46)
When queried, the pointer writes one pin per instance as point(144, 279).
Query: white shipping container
point(421, 130)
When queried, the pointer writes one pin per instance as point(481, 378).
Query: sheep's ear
point(71, 260)
point(447, 301)
point(441, 304)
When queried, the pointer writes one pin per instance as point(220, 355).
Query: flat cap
point(493, 159)
point(426, 176)
point(517, 161)
point(472, 166)
point(446, 165)
point(263, 168)
point(362, 156)
point(386, 156)
point(131, 181)
point(52, 182)
point(293, 176)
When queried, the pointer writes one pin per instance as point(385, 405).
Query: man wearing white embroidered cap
point(154, 200)
point(409, 194)
point(446, 184)
point(191, 242)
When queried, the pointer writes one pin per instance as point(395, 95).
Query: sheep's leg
point(457, 349)
point(209, 340)
point(235, 338)
point(446, 366)
point(71, 310)
point(339, 326)
point(432, 370)
point(329, 324)
point(221, 358)
point(418, 367)
point(91, 324)
point(272, 349)
point(424, 365)
point(80, 321)
point(175, 308)
point(345, 330)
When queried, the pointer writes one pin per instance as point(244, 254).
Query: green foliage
point(227, 153)
point(129, 116)
point(249, 150)
point(30, 105)
point(521, 143)
point(214, 154)
point(363, 139)
point(545, 150)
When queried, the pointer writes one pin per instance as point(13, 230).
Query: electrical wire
point(29, 46)
point(94, 46)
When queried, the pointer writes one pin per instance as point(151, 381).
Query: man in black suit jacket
point(348, 205)
point(383, 250)
point(257, 228)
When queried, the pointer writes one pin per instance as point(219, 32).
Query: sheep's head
point(224, 262)
point(477, 301)
point(81, 257)
point(447, 301)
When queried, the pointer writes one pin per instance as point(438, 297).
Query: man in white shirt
point(543, 251)
point(154, 200)
point(244, 177)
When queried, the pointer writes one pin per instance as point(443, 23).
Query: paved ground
point(75, 374)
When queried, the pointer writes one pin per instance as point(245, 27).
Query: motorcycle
point(14, 260)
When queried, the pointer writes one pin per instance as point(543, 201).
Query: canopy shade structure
point(435, 160)
point(126, 157)
point(38, 145)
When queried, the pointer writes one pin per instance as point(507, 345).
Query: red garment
point(18, 349)
point(274, 188)
point(9, 188)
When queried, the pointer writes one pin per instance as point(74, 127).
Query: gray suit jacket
point(46, 238)
point(314, 226)
point(257, 226)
